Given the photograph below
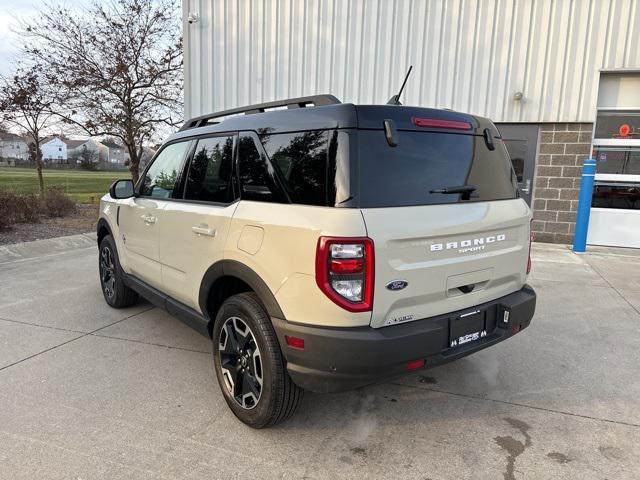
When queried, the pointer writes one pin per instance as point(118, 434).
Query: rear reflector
point(295, 342)
point(415, 364)
point(437, 123)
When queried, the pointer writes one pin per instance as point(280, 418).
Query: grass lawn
point(81, 185)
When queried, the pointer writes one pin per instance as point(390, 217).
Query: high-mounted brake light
point(438, 123)
point(345, 271)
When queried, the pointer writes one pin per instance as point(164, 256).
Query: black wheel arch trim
point(103, 223)
point(239, 270)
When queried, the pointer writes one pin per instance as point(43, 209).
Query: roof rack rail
point(300, 102)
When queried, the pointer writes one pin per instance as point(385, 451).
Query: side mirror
point(122, 189)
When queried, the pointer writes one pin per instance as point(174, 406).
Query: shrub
point(27, 208)
point(57, 203)
point(89, 165)
point(17, 208)
point(7, 213)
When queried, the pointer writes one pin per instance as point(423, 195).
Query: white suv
point(324, 246)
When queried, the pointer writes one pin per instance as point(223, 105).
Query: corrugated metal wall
point(468, 55)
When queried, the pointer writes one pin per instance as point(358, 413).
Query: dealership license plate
point(470, 337)
point(467, 328)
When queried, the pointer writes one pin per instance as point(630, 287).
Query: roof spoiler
point(300, 102)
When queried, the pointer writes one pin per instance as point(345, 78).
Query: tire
point(115, 292)
point(266, 394)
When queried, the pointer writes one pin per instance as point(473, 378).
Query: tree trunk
point(39, 166)
point(134, 163)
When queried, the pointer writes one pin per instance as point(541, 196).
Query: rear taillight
point(529, 259)
point(344, 271)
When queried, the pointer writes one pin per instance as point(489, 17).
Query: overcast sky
point(11, 11)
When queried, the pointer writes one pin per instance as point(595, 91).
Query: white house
point(12, 147)
point(54, 150)
point(77, 147)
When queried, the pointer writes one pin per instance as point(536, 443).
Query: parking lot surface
point(90, 392)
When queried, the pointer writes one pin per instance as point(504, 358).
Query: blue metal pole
point(584, 205)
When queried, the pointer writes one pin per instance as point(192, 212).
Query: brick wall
point(562, 149)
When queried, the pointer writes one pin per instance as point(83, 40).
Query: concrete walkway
point(89, 392)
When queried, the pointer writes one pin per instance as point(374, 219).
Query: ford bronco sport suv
point(324, 246)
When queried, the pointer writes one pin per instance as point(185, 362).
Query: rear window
point(424, 161)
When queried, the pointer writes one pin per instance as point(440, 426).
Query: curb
point(42, 248)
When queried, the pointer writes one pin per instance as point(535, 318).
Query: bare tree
point(26, 102)
point(117, 65)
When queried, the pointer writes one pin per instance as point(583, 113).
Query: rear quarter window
point(424, 161)
point(305, 162)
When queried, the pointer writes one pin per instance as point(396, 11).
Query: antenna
point(395, 100)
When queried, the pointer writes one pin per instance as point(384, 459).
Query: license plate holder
point(467, 328)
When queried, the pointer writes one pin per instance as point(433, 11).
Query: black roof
point(325, 116)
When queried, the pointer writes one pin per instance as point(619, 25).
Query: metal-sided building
point(561, 78)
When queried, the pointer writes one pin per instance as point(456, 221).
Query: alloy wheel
point(107, 272)
point(240, 362)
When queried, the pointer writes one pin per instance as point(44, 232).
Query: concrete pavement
point(89, 392)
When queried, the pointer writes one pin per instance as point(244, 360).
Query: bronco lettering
point(465, 245)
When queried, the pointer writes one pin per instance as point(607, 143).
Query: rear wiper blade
point(458, 189)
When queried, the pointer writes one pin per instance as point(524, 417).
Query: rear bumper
point(336, 359)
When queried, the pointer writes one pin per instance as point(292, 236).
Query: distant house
point(116, 154)
point(54, 150)
point(147, 155)
point(12, 148)
point(76, 147)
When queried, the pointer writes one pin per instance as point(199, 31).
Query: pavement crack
point(613, 287)
point(73, 339)
point(150, 343)
point(46, 255)
point(22, 322)
point(515, 404)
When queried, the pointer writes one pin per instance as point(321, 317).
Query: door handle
point(150, 219)
point(527, 187)
point(204, 230)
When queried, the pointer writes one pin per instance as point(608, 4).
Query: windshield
point(426, 162)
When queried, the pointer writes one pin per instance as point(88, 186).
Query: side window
point(162, 177)
point(209, 177)
point(301, 159)
point(257, 177)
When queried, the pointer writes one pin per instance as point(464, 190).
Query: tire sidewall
point(261, 413)
point(118, 285)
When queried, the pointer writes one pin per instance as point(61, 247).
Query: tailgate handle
point(465, 289)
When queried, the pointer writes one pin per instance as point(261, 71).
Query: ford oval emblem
point(397, 285)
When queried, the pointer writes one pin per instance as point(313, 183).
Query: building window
point(616, 149)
